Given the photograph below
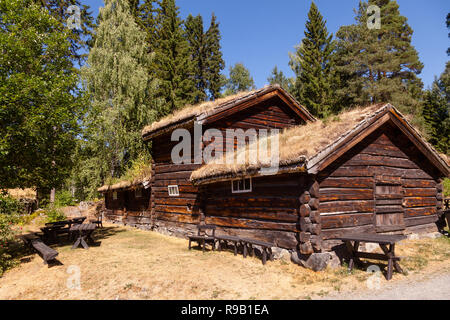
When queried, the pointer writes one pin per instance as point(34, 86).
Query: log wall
point(181, 214)
point(128, 209)
point(347, 199)
point(268, 213)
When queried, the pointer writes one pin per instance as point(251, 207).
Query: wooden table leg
point(235, 248)
point(392, 259)
point(264, 256)
point(189, 244)
point(83, 243)
point(245, 250)
point(204, 245)
point(76, 244)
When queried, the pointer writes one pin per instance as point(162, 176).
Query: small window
point(241, 186)
point(115, 195)
point(138, 193)
point(173, 191)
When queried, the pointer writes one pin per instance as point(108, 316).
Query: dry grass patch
point(135, 264)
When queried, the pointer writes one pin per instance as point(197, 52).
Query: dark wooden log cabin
point(369, 171)
point(128, 202)
point(179, 213)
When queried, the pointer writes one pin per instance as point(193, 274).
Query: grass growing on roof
point(192, 110)
point(139, 171)
point(294, 143)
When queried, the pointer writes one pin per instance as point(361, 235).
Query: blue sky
point(260, 33)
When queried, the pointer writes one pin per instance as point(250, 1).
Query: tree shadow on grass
point(24, 253)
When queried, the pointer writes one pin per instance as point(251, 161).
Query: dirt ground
point(126, 263)
point(425, 287)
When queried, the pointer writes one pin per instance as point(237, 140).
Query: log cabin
point(175, 201)
point(365, 171)
point(127, 202)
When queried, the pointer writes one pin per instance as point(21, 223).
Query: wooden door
point(388, 204)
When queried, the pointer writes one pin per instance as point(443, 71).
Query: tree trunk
point(52, 195)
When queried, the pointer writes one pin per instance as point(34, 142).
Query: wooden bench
point(223, 238)
point(203, 237)
point(266, 248)
point(44, 251)
point(383, 240)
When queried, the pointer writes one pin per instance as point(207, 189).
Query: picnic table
point(83, 232)
point(386, 243)
point(53, 229)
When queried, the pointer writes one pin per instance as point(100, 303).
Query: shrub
point(9, 205)
point(64, 198)
point(446, 187)
point(6, 238)
point(54, 214)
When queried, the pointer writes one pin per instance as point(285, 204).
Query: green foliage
point(9, 205)
point(173, 65)
point(215, 80)
point(436, 113)
point(197, 42)
point(80, 39)
point(240, 80)
point(26, 219)
point(312, 64)
point(6, 238)
point(206, 57)
point(447, 187)
point(139, 169)
point(54, 214)
point(278, 77)
point(379, 65)
point(39, 97)
point(122, 96)
point(64, 198)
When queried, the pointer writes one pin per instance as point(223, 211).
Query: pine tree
point(80, 39)
point(379, 65)
point(215, 65)
point(436, 112)
point(278, 77)
point(198, 47)
point(173, 65)
point(314, 58)
point(121, 93)
point(146, 20)
point(240, 80)
point(448, 26)
point(436, 109)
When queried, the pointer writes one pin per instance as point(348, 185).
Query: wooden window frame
point(114, 195)
point(173, 190)
point(243, 190)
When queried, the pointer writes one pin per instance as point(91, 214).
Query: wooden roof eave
point(182, 123)
point(350, 139)
point(297, 167)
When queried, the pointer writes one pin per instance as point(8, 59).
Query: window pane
point(247, 184)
